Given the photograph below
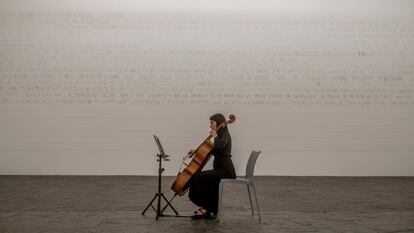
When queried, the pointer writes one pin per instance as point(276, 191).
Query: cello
point(200, 157)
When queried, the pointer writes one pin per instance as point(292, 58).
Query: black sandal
point(201, 210)
point(203, 214)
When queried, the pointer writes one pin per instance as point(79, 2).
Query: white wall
point(321, 87)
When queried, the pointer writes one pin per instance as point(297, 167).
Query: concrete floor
point(289, 204)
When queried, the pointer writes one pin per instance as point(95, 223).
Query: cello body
point(200, 158)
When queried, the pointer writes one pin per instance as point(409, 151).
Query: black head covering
point(219, 118)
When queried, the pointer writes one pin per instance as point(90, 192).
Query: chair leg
point(250, 199)
point(221, 186)
point(257, 203)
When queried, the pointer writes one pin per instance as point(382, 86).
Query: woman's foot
point(200, 214)
point(200, 211)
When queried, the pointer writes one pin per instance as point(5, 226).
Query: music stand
point(161, 156)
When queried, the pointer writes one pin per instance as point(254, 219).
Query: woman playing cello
point(204, 185)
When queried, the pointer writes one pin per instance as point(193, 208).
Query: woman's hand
point(190, 152)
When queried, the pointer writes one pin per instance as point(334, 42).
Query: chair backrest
point(251, 164)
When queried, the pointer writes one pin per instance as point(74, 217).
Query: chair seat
point(237, 181)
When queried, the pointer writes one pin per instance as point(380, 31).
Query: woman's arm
point(221, 142)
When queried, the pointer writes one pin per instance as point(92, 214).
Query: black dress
point(204, 185)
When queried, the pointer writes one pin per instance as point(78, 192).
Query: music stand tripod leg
point(153, 199)
point(169, 204)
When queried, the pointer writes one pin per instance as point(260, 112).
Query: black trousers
point(204, 188)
